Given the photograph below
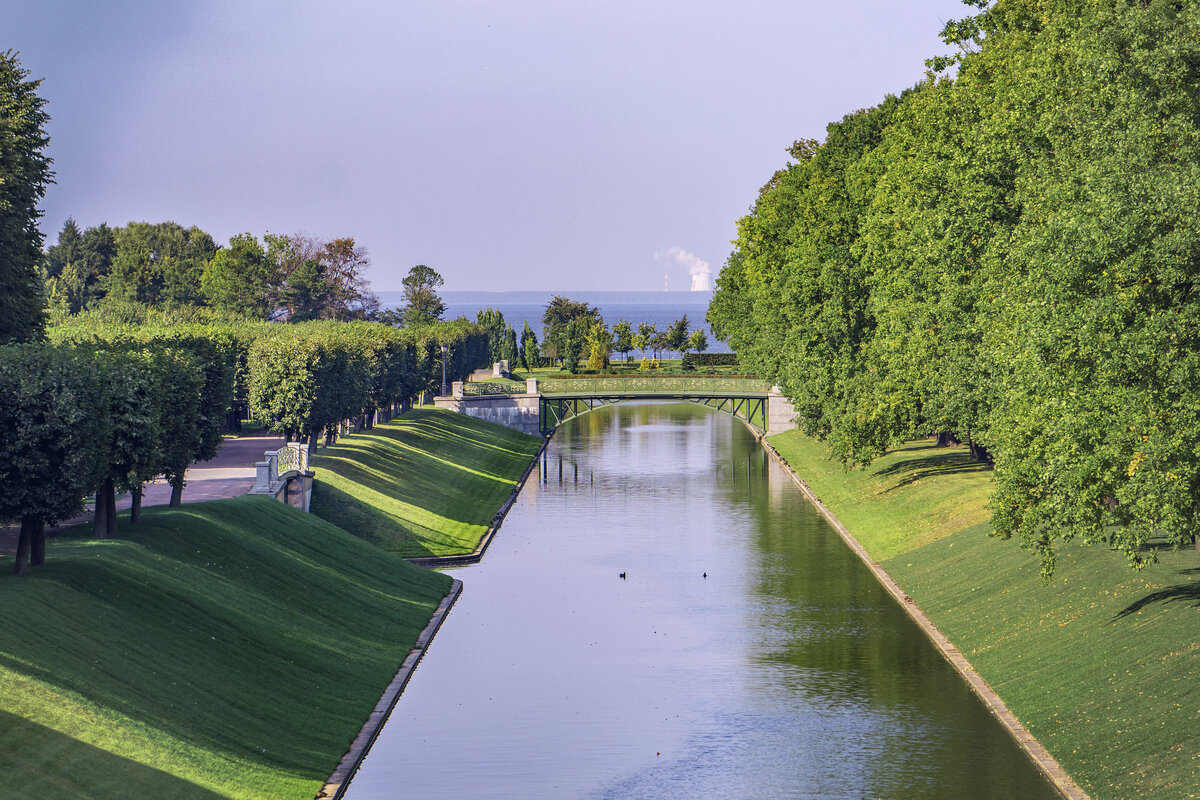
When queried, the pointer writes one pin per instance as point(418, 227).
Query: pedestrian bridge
point(545, 404)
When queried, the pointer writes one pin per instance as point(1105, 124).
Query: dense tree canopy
point(24, 175)
point(1006, 257)
point(559, 340)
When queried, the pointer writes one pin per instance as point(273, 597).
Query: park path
point(229, 474)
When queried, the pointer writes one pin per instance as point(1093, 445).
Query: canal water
point(746, 652)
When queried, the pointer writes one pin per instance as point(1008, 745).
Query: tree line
point(576, 337)
point(1006, 255)
point(165, 265)
point(102, 408)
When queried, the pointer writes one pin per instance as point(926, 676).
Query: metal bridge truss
point(553, 410)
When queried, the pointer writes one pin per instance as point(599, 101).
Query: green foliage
point(422, 305)
point(306, 378)
point(508, 348)
point(645, 337)
point(492, 322)
point(709, 359)
point(529, 347)
point(622, 334)
point(677, 335)
point(598, 344)
point(24, 175)
point(52, 421)
point(561, 341)
point(575, 340)
point(239, 278)
point(76, 268)
point(1007, 256)
point(160, 264)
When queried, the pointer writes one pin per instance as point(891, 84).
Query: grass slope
point(425, 484)
point(225, 649)
point(1100, 664)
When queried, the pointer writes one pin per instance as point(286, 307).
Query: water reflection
point(746, 654)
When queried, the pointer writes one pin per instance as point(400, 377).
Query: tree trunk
point(135, 506)
point(979, 452)
point(110, 499)
point(943, 439)
point(37, 555)
point(21, 562)
point(176, 491)
point(101, 516)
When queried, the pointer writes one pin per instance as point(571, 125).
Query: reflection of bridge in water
point(547, 403)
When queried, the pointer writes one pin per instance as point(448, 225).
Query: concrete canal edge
point(1045, 762)
point(476, 555)
point(339, 781)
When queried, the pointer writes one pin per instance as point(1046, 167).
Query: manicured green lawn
point(425, 484)
point(914, 495)
point(225, 649)
point(1101, 664)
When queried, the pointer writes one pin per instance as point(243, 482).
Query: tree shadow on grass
point(1188, 593)
point(37, 761)
point(944, 462)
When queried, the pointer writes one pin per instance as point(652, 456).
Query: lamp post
point(445, 349)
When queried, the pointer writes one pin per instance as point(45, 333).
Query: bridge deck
point(685, 394)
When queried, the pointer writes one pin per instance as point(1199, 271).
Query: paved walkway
point(229, 474)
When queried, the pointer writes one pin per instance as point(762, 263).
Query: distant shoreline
point(543, 297)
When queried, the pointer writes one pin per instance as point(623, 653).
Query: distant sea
point(659, 308)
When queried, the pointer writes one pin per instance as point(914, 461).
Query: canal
point(746, 652)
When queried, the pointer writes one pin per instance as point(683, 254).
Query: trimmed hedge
point(692, 360)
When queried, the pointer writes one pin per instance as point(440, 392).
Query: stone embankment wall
point(516, 411)
point(781, 414)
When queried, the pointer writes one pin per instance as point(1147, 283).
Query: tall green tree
point(422, 305)
point(492, 321)
point(75, 269)
point(24, 175)
point(622, 337)
point(529, 346)
point(598, 344)
point(160, 264)
point(1097, 434)
point(240, 279)
point(557, 343)
point(677, 334)
point(48, 453)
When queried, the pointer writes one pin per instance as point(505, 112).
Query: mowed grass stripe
point(230, 648)
point(1100, 664)
point(425, 484)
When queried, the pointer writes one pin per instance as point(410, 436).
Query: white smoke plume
point(697, 267)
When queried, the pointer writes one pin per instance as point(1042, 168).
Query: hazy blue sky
point(510, 145)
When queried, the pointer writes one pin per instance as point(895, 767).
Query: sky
point(559, 145)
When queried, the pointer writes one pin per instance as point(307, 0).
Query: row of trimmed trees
point(1008, 256)
point(106, 408)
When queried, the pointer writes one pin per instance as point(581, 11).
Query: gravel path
point(229, 474)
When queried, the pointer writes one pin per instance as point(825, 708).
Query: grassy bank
point(425, 484)
point(225, 649)
point(1100, 664)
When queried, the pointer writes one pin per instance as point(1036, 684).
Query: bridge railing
point(653, 383)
